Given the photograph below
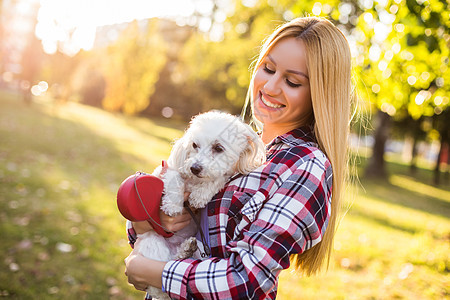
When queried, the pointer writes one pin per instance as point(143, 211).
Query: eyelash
point(268, 70)
point(290, 83)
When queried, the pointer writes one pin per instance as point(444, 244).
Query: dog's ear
point(253, 155)
point(178, 154)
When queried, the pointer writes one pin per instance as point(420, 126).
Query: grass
point(62, 236)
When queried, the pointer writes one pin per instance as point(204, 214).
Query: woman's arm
point(143, 272)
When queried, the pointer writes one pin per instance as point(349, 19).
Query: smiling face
point(281, 90)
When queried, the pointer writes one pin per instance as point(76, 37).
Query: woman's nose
point(272, 87)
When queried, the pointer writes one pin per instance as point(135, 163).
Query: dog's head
point(215, 145)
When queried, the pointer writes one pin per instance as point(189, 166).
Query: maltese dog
point(215, 146)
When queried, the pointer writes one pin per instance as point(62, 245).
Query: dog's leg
point(187, 248)
point(154, 246)
point(173, 199)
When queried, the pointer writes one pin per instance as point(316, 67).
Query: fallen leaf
point(111, 281)
point(69, 279)
point(64, 248)
point(25, 244)
point(114, 291)
point(43, 256)
point(53, 290)
point(14, 267)
point(22, 221)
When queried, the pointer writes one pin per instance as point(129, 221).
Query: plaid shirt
point(257, 221)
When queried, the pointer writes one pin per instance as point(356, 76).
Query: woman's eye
point(291, 84)
point(194, 145)
point(218, 149)
point(266, 68)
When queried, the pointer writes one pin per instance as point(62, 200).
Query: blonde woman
point(286, 210)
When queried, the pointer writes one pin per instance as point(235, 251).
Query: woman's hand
point(141, 227)
point(177, 222)
point(171, 224)
point(174, 223)
point(143, 272)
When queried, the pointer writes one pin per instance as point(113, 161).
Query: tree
point(442, 125)
point(412, 131)
point(406, 64)
point(59, 71)
point(31, 63)
point(132, 66)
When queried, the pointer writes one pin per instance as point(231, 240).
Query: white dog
point(215, 146)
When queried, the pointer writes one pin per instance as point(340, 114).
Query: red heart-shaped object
point(139, 199)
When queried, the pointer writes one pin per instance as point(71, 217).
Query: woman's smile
point(266, 100)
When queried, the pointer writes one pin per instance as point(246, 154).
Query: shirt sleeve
point(292, 220)
point(131, 233)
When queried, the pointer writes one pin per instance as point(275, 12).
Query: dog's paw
point(157, 294)
point(187, 248)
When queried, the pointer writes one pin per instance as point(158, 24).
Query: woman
point(285, 210)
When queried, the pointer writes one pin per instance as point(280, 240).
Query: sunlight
point(39, 89)
point(71, 24)
point(412, 185)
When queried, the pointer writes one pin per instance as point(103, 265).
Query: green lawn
point(63, 238)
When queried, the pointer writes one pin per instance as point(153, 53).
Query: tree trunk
point(447, 171)
point(443, 156)
point(413, 164)
point(437, 172)
point(376, 166)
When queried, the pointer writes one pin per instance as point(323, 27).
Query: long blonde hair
point(329, 68)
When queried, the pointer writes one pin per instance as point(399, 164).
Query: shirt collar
point(295, 137)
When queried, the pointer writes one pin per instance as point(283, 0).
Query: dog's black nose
point(196, 169)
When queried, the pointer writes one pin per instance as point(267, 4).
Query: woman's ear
point(254, 153)
point(179, 153)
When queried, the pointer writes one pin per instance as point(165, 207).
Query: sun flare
point(71, 24)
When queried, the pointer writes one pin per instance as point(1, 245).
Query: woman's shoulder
point(298, 154)
point(295, 147)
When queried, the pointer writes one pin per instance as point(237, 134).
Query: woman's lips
point(269, 103)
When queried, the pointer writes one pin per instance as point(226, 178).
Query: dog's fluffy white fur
point(215, 146)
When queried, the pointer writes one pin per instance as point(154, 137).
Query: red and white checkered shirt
point(257, 221)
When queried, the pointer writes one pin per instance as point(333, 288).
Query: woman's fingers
point(175, 223)
point(179, 225)
point(134, 271)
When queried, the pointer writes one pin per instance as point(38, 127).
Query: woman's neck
point(271, 132)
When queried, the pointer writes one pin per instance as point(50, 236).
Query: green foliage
point(403, 56)
point(132, 68)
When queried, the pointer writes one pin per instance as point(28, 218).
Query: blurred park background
point(92, 91)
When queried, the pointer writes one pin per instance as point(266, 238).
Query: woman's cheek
point(258, 82)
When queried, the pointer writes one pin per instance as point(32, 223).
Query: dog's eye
point(194, 145)
point(218, 148)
